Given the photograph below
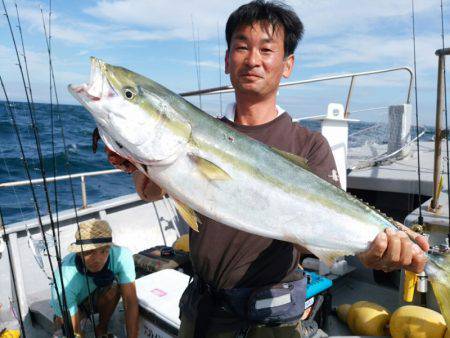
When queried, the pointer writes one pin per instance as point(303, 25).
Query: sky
point(157, 38)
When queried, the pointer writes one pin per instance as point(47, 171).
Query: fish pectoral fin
point(328, 256)
point(300, 161)
point(95, 139)
point(188, 214)
point(210, 170)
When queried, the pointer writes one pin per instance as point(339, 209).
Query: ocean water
point(17, 203)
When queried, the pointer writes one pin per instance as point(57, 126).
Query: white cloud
point(206, 64)
point(175, 19)
point(39, 74)
point(321, 18)
point(370, 49)
point(5, 52)
point(75, 31)
point(143, 20)
point(341, 35)
point(331, 17)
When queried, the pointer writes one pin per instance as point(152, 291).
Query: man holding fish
point(234, 268)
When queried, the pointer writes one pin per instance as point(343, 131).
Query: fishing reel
point(441, 248)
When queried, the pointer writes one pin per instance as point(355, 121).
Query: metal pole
point(83, 192)
point(21, 302)
point(59, 178)
point(230, 89)
point(17, 270)
point(349, 95)
point(439, 133)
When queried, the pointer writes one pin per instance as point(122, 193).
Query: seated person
point(110, 273)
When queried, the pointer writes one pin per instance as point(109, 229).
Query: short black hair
point(275, 14)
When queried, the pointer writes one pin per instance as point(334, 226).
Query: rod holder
point(443, 52)
point(83, 192)
point(438, 127)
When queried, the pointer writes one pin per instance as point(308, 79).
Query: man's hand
point(146, 188)
point(119, 162)
point(393, 250)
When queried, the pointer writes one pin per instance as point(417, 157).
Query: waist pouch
point(269, 305)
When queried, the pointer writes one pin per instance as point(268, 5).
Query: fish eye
point(129, 93)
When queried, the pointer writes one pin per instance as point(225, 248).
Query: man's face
point(96, 259)
point(255, 60)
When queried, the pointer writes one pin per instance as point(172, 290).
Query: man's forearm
point(76, 325)
point(132, 318)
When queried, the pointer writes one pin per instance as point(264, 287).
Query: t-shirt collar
point(230, 111)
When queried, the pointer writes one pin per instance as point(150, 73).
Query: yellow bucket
point(10, 334)
point(408, 286)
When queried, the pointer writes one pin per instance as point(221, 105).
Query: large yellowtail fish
point(208, 167)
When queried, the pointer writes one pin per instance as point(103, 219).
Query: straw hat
point(95, 233)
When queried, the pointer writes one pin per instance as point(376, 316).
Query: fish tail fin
point(438, 271)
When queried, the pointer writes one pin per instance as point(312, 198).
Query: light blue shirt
point(120, 263)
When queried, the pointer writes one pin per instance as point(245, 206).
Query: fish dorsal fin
point(300, 161)
point(209, 169)
point(372, 208)
point(188, 214)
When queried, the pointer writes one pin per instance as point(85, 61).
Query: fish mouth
point(98, 86)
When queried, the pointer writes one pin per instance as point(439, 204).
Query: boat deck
point(399, 176)
point(129, 212)
point(354, 287)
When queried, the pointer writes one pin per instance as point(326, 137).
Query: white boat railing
point(82, 176)
point(352, 76)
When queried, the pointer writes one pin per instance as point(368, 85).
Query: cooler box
point(158, 295)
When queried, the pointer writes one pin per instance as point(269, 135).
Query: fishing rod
point(16, 195)
point(13, 275)
point(199, 76)
point(64, 309)
point(67, 322)
point(420, 219)
point(220, 68)
point(68, 170)
point(31, 107)
point(67, 163)
point(51, 107)
point(27, 171)
point(28, 94)
point(19, 26)
point(197, 59)
point(446, 118)
point(51, 115)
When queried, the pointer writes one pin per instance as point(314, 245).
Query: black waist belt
point(269, 305)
